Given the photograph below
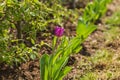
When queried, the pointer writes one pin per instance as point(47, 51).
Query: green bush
point(20, 20)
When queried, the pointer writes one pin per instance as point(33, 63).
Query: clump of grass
point(101, 56)
point(114, 19)
point(103, 65)
point(113, 31)
point(89, 76)
point(112, 34)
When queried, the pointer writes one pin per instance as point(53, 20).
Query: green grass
point(89, 76)
point(112, 34)
point(103, 65)
point(113, 31)
point(114, 19)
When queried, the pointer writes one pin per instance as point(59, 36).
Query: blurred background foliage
point(21, 20)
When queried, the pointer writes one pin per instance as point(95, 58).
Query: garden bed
point(94, 44)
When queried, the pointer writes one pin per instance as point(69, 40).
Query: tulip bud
point(59, 31)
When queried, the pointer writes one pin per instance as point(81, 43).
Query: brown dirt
point(30, 70)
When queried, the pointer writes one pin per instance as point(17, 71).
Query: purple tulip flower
point(59, 31)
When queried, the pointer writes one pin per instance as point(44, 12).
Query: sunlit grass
point(112, 34)
point(104, 65)
point(89, 76)
point(114, 19)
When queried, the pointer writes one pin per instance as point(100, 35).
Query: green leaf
point(63, 73)
point(89, 30)
point(84, 30)
point(44, 67)
point(56, 55)
point(80, 28)
point(54, 42)
point(77, 49)
point(32, 41)
point(59, 65)
point(32, 56)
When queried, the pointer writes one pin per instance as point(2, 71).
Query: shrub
point(20, 20)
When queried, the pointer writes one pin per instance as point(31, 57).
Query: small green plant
point(94, 10)
point(101, 56)
point(112, 34)
point(98, 66)
point(114, 19)
point(89, 76)
point(53, 67)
